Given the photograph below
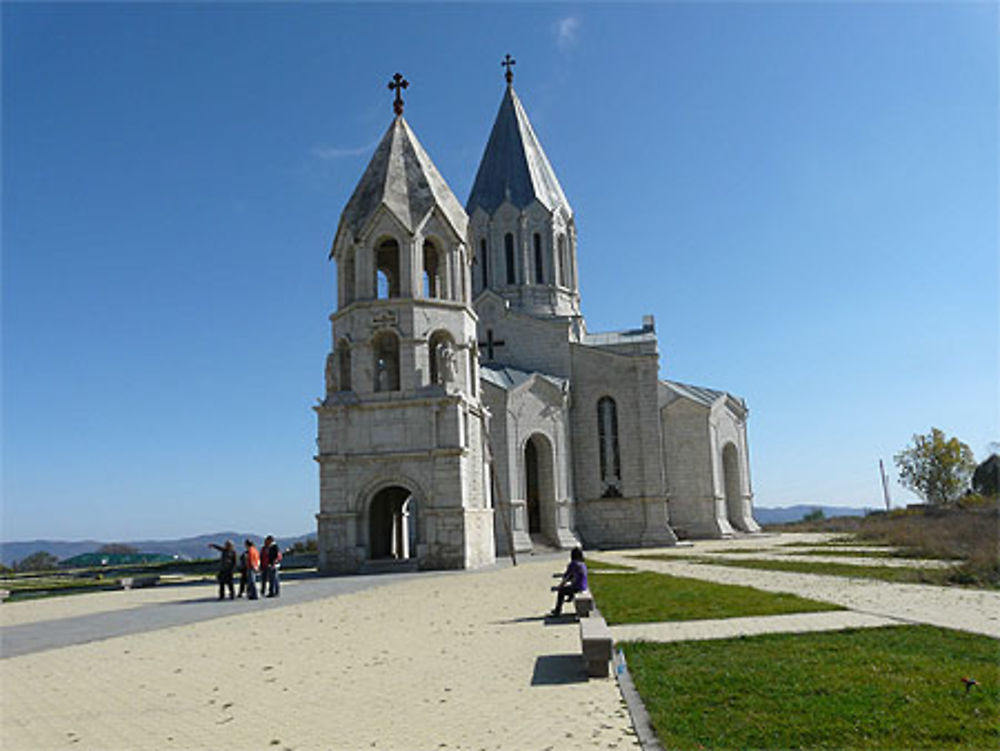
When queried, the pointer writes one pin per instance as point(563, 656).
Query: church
point(468, 409)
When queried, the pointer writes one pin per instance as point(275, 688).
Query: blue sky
point(803, 194)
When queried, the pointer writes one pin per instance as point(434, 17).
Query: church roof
point(514, 167)
point(403, 179)
point(699, 394)
point(508, 378)
point(609, 338)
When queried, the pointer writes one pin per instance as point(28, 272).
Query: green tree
point(40, 561)
point(935, 467)
point(816, 515)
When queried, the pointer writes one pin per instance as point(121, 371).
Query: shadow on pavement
point(555, 670)
point(547, 620)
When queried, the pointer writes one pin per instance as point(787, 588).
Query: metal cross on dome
point(508, 62)
point(397, 84)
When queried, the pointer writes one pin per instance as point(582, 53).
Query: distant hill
point(785, 514)
point(186, 547)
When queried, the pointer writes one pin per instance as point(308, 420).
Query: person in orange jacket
point(253, 566)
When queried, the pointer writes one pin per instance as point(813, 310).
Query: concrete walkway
point(458, 660)
point(436, 661)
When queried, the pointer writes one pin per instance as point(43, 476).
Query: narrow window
point(344, 358)
point(462, 272)
point(562, 261)
point(386, 351)
point(473, 357)
point(607, 436)
point(539, 265)
point(508, 246)
point(485, 259)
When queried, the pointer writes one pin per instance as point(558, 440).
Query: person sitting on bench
point(573, 580)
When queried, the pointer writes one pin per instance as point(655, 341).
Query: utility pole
point(885, 485)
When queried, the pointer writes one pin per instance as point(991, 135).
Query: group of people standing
point(264, 562)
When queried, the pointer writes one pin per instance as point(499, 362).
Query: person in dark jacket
point(270, 558)
point(573, 580)
point(227, 564)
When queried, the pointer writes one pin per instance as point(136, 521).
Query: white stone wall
point(640, 516)
point(530, 344)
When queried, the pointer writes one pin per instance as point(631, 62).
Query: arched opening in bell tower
point(432, 271)
point(385, 347)
point(387, 269)
point(392, 528)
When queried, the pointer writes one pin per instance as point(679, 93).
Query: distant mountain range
point(197, 547)
point(786, 514)
point(186, 547)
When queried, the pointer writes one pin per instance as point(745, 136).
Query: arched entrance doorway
point(731, 481)
point(392, 530)
point(539, 491)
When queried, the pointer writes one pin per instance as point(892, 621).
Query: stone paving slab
point(725, 628)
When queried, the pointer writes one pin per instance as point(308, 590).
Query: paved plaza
point(413, 661)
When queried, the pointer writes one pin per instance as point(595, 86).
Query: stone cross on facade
point(397, 84)
point(490, 343)
point(508, 62)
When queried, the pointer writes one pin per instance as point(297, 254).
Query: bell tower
point(401, 423)
point(522, 230)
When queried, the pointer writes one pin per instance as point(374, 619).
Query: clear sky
point(803, 194)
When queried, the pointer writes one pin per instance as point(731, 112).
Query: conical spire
point(403, 179)
point(514, 166)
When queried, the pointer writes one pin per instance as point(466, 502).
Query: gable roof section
point(701, 395)
point(401, 178)
point(510, 379)
point(514, 167)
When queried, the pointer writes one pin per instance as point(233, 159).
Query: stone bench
point(134, 582)
point(584, 603)
point(4, 594)
point(595, 636)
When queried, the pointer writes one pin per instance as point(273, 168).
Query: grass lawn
point(885, 688)
point(648, 597)
point(898, 574)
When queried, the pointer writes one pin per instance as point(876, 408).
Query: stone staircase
point(389, 566)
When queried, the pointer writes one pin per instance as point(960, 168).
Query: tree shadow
point(556, 670)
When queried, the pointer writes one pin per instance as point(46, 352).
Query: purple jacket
point(577, 573)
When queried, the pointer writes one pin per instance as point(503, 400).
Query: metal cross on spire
point(508, 62)
point(397, 84)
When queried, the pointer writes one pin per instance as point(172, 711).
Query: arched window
point(508, 247)
point(607, 436)
point(539, 265)
point(385, 348)
point(344, 363)
point(485, 260)
point(387, 269)
point(432, 272)
point(346, 272)
point(563, 270)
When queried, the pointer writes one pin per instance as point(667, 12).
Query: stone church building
point(467, 406)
